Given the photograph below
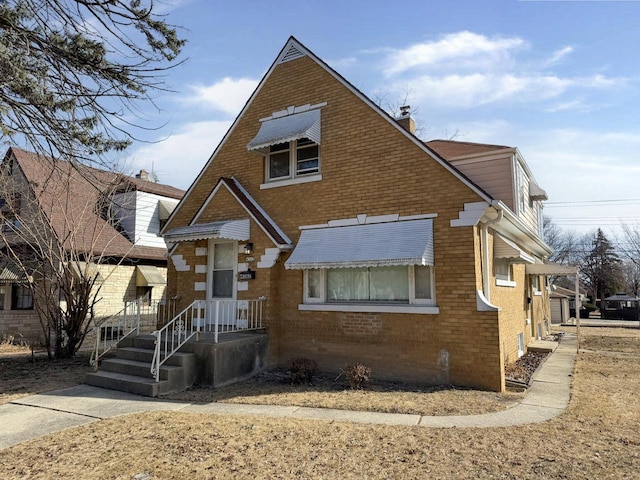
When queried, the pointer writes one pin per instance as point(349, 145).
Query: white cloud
point(559, 55)
point(178, 159)
point(472, 48)
point(477, 89)
point(227, 95)
point(467, 69)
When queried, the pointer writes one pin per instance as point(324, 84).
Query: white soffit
point(230, 229)
point(504, 248)
point(551, 269)
point(368, 245)
point(287, 128)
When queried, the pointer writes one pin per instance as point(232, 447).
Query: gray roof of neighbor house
point(68, 195)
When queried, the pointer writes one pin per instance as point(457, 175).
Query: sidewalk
point(41, 414)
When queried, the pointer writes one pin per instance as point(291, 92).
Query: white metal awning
point(287, 128)
point(505, 248)
point(11, 273)
point(550, 269)
point(369, 245)
point(149, 276)
point(230, 229)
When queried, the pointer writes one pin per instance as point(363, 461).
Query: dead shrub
point(302, 370)
point(358, 375)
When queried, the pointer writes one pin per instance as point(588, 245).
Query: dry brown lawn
point(23, 374)
point(274, 388)
point(597, 437)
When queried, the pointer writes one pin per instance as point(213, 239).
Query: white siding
point(125, 212)
point(147, 221)
point(527, 211)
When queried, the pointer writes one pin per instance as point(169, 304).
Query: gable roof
point(68, 194)
point(255, 211)
point(449, 149)
point(292, 50)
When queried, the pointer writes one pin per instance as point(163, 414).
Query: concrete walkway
point(41, 414)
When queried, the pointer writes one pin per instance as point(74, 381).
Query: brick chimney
point(143, 175)
point(405, 120)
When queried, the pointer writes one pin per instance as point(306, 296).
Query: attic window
point(292, 159)
point(289, 141)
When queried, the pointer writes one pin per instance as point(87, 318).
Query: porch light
point(248, 248)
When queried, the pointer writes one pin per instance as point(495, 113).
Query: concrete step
point(140, 369)
point(146, 355)
point(126, 383)
point(148, 342)
point(130, 369)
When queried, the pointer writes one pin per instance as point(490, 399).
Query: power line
point(595, 201)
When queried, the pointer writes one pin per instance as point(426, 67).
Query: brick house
point(123, 247)
point(369, 244)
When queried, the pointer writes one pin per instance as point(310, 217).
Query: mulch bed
point(522, 370)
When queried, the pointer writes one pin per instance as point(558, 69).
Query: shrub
point(302, 370)
point(358, 375)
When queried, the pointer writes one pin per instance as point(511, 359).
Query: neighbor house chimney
point(405, 120)
point(143, 175)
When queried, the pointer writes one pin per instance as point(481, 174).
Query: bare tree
point(56, 231)
point(631, 277)
point(72, 69)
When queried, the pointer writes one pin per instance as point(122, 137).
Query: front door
point(221, 283)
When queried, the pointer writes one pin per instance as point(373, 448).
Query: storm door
point(221, 284)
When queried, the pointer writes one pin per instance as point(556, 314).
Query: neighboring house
point(563, 302)
point(104, 217)
point(423, 261)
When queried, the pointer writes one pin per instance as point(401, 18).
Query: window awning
point(287, 128)
point(90, 270)
point(368, 245)
point(11, 273)
point(230, 229)
point(149, 276)
point(537, 193)
point(550, 269)
point(165, 209)
point(504, 248)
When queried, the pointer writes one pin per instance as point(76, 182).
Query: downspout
point(484, 229)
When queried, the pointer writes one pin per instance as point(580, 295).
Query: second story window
point(293, 159)
point(289, 141)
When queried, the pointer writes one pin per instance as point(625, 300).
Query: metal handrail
point(205, 316)
point(113, 329)
point(173, 336)
point(121, 324)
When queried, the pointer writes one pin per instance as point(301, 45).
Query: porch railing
point(137, 316)
point(205, 316)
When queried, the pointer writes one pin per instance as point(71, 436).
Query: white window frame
point(501, 279)
point(415, 305)
point(210, 254)
point(294, 175)
point(535, 285)
point(520, 340)
point(523, 189)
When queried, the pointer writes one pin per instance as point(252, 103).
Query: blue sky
point(557, 79)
